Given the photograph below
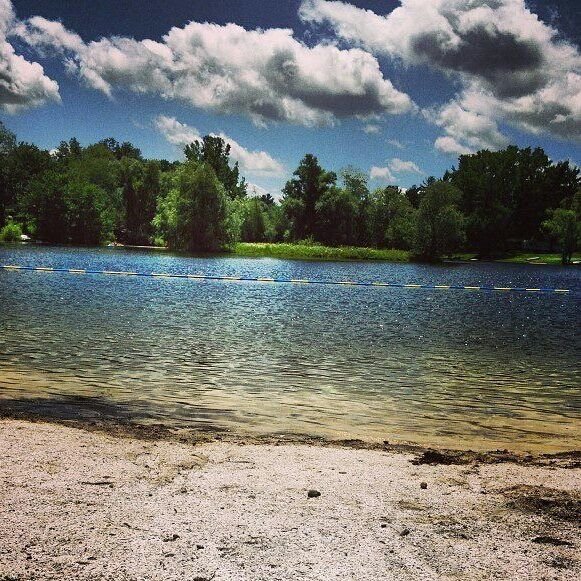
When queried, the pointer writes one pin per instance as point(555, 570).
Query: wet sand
point(127, 504)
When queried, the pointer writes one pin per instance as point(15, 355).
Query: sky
point(395, 89)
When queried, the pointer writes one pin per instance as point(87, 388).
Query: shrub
point(11, 232)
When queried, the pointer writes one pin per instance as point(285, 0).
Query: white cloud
point(397, 165)
point(447, 144)
point(23, 84)
point(396, 143)
point(394, 166)
point(255, 191)
point(468, 126)
point(381, 173)
point(265, 74)
point(371, 129)
point(254, 162)
point(512, 66)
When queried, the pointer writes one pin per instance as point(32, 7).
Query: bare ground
point(92, 505)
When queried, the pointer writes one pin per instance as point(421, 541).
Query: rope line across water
point(289, 280)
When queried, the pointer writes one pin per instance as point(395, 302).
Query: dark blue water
point(458, 368)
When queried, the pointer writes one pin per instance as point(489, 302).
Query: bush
point(11, 232)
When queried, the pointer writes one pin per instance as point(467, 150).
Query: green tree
point(203, 216)
point(301, 194)
point(507, 193)
point(253, 220)
point(390, 218)
point(215, 152)
point(89, 217)
point(337, 211)
point(565, 226)
point(45, 203)
point(440, 224)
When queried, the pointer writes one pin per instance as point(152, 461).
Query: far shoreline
point(321, 253)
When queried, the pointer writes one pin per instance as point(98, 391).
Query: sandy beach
point(82, 504)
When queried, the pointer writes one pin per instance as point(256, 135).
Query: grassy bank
point(318, 252)
point(521, 258)
point(536, 258)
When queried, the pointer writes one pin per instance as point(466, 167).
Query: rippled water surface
point(456, 368)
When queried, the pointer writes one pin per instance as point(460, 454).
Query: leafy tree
point(89, 217)
point(121, 150)
point(130, 176)
point(267, 199)
point(253, 219)
point(565, 226)
point(390, 218)
point(337, 211)
point(45, 204)
point(440, 224)
point(196, 214)
point(68, 150)
point(215, 152)
point(301, 194)
point(506, 194)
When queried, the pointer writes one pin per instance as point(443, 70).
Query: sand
point(91, 505)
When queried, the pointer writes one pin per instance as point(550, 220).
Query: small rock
point(423, 485)
point(174, 537)
point(199, 547)
point(313, 494)
point(383, 525)
point(404, 533)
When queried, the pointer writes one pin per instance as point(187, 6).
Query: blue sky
point(427, 101)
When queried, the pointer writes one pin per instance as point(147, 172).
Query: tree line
point(491, 203)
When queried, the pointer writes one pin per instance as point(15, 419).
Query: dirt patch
point(545, 502)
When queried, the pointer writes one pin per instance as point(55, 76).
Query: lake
point(464, 369)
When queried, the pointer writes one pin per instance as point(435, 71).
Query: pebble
point(404, 533)
point(313, 494)
point(423, 485)
point(174, 537)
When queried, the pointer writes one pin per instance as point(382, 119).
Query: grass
point(523, 258)
point(527, 258)
point(318, 252)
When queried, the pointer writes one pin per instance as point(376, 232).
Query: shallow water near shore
point(450, 368)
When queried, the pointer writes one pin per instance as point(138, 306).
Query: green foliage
point(196, 214)
point(301, 195)
point(90, 219)
point(565, 226)
point(494, 202)
point(215, 152)
point(11, 232)
point(253, 218)
point(390, 219)
point(507, 193)
point(305, 251)
point(337, 211)
point(440, 224)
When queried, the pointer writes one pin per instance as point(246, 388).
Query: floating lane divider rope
point(263, 279)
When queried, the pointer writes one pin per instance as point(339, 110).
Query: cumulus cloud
point(256, 191)
point(371, 129)
point(512, 66)
point(394, 167)
point(397, 165)
point(381, 173)
point(265, 74)
point(23, 84)
point(254, 162)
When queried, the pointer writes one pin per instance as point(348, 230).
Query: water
point(453, 368)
